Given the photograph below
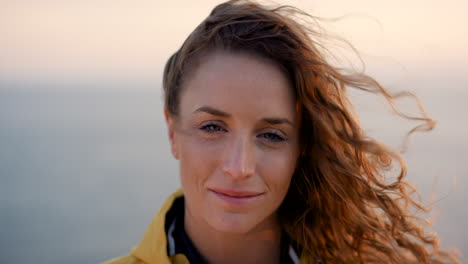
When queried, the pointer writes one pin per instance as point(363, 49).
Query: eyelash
point(276, 137)
point(212, 128)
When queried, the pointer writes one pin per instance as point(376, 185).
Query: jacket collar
point(153, 247)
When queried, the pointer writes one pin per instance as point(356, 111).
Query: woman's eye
point(211, 128)
point(273, 137)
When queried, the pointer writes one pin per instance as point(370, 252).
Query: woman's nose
point(239, 158)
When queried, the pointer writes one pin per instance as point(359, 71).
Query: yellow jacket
point(153, 247)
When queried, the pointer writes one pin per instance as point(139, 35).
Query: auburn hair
point(339, 207)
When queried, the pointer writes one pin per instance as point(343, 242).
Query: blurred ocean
point(84, 167)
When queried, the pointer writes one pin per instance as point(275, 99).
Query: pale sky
point(76, 39)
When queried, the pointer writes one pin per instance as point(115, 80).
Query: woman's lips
point(237, 197)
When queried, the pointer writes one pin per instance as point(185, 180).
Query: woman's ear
point(172, 134)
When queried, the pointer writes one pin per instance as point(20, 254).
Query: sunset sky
point(132, 39)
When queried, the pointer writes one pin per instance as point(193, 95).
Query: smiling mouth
point(236, 197)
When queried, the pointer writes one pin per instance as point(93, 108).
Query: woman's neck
point(261, 245)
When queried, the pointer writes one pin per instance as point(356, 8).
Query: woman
point(274, 165)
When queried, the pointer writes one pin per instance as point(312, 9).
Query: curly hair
point(339, 207)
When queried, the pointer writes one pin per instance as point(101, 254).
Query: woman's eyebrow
point(212, 111)
point(277, 121)
point(269, 120)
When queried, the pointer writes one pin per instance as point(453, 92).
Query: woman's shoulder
point(128, 259)
point(152, 248)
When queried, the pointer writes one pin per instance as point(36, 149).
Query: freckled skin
point(239, 150)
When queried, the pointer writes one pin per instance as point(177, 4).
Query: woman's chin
point(235, 223)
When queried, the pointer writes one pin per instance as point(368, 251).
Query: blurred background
point(84, 158)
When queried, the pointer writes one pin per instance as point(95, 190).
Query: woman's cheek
point(277, 168)
point(198, 143)
point(199, 156)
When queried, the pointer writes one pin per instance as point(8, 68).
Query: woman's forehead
point(231, 81)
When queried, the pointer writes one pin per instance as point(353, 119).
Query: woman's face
point(236, 137)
